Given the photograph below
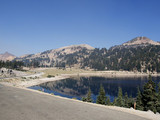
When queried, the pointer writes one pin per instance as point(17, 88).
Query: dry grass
point(58, 72)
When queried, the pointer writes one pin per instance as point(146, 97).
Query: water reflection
point(78, 86)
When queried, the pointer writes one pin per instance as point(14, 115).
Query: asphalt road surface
point(20, 104)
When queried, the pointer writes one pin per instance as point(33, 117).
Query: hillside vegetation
point(141, 58)
point(139, 55)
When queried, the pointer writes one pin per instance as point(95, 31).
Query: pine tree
point(115, 101)
point(159, 91)
point(108, 102)
point(126, 100)
point(120, 101)
point(130, 101)
point(89, 96)
point(101, 98)
point(158, 104)
point(149, 96)
point(139, 103)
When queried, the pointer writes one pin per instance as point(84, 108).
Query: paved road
point(19, 104)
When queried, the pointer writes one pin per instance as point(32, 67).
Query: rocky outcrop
point(4, 72)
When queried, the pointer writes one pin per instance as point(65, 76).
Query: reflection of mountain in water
point(69, 86)
point(79, 86)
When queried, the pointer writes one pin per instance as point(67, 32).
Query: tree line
point(12, 64)
point(147, 99)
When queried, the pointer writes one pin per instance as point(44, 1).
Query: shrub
point(49, 76)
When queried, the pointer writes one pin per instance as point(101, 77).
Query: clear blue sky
point(32, 26)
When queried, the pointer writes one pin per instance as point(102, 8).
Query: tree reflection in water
point(78, 86)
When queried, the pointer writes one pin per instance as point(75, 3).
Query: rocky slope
point(7, 56)
point(136, 42)
point(70, 55)
point(141, 41)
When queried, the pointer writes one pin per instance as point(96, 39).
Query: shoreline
point(65, 76)
point(109, 74)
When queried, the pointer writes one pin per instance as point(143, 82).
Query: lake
point(77, 87)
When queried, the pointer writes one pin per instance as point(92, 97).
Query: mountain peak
point(7, 53)
point(75, 46)
point(7, 56)
point(72, 48)
point(141, 41)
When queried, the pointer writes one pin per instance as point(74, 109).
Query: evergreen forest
point(147, 99)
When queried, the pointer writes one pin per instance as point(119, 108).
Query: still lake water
point(77, 87)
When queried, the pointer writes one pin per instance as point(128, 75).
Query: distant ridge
point(57, 57)
point(7, 56)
